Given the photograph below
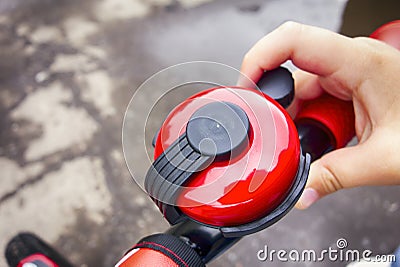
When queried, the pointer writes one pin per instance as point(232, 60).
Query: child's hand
point(363, 70)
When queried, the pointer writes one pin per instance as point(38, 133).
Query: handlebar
point(334, 118)
point(324, 124)
point(146, 257)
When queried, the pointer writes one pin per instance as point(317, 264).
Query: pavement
point(67, 71)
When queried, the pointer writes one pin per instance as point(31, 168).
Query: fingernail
point(309, 196)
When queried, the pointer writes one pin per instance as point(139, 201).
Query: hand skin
point(361, 69)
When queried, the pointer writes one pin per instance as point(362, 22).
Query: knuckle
point(247, 56)
point(374, 54)
point(376, 59)
point(390, 164)
point(362, 39)
point(290, 26)
point(330, 181)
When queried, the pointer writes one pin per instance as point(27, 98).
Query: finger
point(312, 49)
point(364, 164)
point(306, 87)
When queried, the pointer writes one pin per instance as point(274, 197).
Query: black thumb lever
point(279, 85)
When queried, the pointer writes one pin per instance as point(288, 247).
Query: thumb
point(364, 164)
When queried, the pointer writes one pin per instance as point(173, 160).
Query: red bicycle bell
point(230, 158)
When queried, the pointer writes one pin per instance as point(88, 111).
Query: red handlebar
point(337, 116)
point(163, 250)
point(145, 257)
point(389, 33)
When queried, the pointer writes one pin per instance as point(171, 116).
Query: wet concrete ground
point(67, 71)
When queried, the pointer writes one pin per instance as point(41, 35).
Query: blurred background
point(67, 71)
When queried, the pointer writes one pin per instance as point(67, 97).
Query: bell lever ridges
point(215, 132)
